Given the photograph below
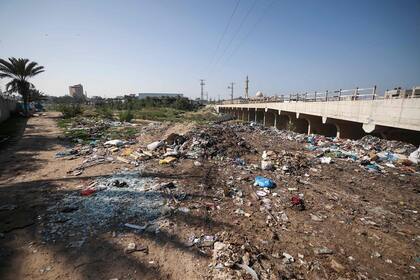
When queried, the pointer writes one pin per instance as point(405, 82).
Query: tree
point(36, 95)
point(19, 70)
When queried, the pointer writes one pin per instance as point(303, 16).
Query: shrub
point(70, 110)
point(182, 104)
point(105, 112)
point(125, 116)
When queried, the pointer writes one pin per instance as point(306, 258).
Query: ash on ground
point(118, 199)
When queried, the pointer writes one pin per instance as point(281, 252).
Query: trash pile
point(117, 199)
point(215, 141)
point(371, 152)
point(85, 130)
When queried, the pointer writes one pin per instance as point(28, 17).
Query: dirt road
point(356, 225)
point(32, 179)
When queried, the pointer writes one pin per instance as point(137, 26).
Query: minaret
point(246, 87)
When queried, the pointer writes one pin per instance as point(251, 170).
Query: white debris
point(115, 142)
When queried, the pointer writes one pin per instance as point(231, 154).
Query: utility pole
point(246, 87)
point(202, 89)
point(231, 91)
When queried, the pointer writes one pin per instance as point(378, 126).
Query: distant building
point(76, 91)
point(158, 95)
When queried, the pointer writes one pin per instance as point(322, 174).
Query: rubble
point(213, 167)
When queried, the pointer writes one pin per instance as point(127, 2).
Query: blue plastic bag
point(264, 182)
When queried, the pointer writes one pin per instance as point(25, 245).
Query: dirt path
point(32, 180)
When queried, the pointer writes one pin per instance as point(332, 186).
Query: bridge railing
point(369, 93)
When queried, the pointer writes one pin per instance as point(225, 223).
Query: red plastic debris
point(297, 201)
point(88, 191)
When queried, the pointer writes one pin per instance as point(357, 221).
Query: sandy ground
point(368, 221)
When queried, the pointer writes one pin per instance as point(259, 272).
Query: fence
point(369, 93)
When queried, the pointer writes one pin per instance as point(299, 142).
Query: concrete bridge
point(393, 118)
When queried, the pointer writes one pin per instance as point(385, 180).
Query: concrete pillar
point(295, 124)
point(299, 125)
point(259, 116)
point(243, 117)
point(269, 118)
point(282, 121)
point(346, 129)
point(251, 115)
point(315, 126)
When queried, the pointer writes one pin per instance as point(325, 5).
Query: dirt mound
point(215, 141)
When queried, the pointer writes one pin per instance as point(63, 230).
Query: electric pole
point(231, 91)
point(246, 87)
point(202, 89)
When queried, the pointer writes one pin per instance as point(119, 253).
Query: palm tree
point(36, 95)
point(19, 70)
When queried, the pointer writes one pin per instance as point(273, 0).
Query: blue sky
point(122, 47)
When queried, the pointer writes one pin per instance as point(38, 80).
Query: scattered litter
point(132, 247)
point(261, 193)
point(264, 182)
point(136, 226)
point(88, 191)
point(249, 270)
point(167, 160)
point(288, 258)
point(115, 142)
point(153, 146)
point(323, 251)
point(267, 165)
point(326, 160)
point(297, 201)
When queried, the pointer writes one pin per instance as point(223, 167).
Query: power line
point(224, 32)
point(250, 30)
point(237, 31)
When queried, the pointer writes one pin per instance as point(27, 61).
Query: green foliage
point(179, 103)
point(70, 110)
point(78, 134)
point(36, 95)
point(105, 112)
point(64, 123)
point(124, 133)
point(182, 104)
point(159, 114)
point(125, 116)
point(19, 70)
point(201, 116)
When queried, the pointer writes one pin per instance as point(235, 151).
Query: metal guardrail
point(369, 93)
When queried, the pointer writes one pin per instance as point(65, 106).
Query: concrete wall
point(401, 113)
point(389, 118)
point(6, 107)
